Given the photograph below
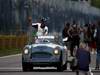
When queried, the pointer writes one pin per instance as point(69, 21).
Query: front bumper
point(53, 61)
point(42, 64)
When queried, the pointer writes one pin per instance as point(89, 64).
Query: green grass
point(5, 52)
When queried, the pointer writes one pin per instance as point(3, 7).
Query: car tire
point(27, 67)
point(24, 68)
point(59, 68)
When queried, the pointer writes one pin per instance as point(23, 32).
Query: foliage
point(95, 3)
point(11, 44)
point(9, 51)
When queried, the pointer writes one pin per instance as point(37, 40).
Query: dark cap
point(43, 20)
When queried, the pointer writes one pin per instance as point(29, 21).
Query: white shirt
point(41, 31)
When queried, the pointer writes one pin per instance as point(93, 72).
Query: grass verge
point(10, 51)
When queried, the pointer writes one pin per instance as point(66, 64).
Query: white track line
point(10, 68)
point(10, 56)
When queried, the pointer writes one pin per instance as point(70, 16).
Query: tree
point(95, 3)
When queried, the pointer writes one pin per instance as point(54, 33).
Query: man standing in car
point(42, 28)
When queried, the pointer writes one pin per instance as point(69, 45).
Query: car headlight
point(56, 51)
point(26, 51)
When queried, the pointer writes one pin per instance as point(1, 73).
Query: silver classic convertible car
point(47, 51)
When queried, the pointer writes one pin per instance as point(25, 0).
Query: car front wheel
point(59, 68)
point(27, 67)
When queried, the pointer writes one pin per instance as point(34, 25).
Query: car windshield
point(47, 39)
point(41, 40)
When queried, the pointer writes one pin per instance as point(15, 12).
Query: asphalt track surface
point(11, 65)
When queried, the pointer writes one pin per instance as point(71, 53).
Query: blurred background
point(14, 16)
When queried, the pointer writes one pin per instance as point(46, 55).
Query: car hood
point(48, 45)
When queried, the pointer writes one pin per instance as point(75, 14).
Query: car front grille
point(41, 55)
